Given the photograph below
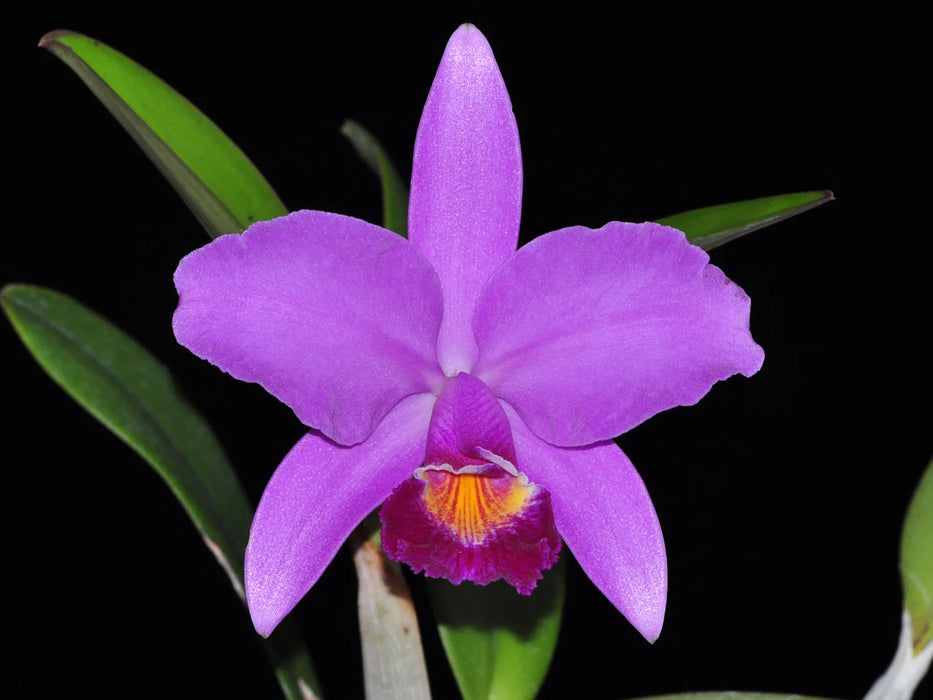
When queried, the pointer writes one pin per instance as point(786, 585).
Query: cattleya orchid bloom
point(471, 389)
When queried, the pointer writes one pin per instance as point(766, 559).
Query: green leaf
point(131, 393)
point(499, 643)
point(291, 662)
point(118, 382)
point(731, 695)
point(917, 561)
point(710, 227)
point(394, 191)
point(212, 175)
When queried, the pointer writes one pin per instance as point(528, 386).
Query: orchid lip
point(469, 513)
point(472, 526)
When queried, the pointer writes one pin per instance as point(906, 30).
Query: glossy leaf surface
point(500, 643)
point(118, 382)
point(710, 227)
point(212, 175)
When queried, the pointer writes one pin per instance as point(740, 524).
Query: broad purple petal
point(335, 317)
point(318, 494)
point(605, 515)
point(466, 185)
point(589, 332)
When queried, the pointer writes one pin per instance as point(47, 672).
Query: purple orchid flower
point(470, 388)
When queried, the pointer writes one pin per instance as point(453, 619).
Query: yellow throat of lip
point(474, 505)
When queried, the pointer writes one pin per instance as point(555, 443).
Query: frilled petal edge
point(587, 333)
point(466, 184)
point(604, 513)
point(318, 494)
point(334, 316)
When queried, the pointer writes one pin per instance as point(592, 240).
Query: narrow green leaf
point(730, 695)
point(291, 662)
point(118, 382)
point(499, 643)
point(917, 561)
point(212, 175)
point(394, 191)
point(710, 227)
point(132, 394)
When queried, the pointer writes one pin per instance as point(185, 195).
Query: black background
point(781, 497)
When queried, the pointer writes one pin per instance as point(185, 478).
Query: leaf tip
point(348, 127)
point(50, 40)
point(9, 290)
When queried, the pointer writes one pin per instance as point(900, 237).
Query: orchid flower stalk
point(471, 389)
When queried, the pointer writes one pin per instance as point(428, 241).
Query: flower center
point(469, 514)
point(473, 505)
